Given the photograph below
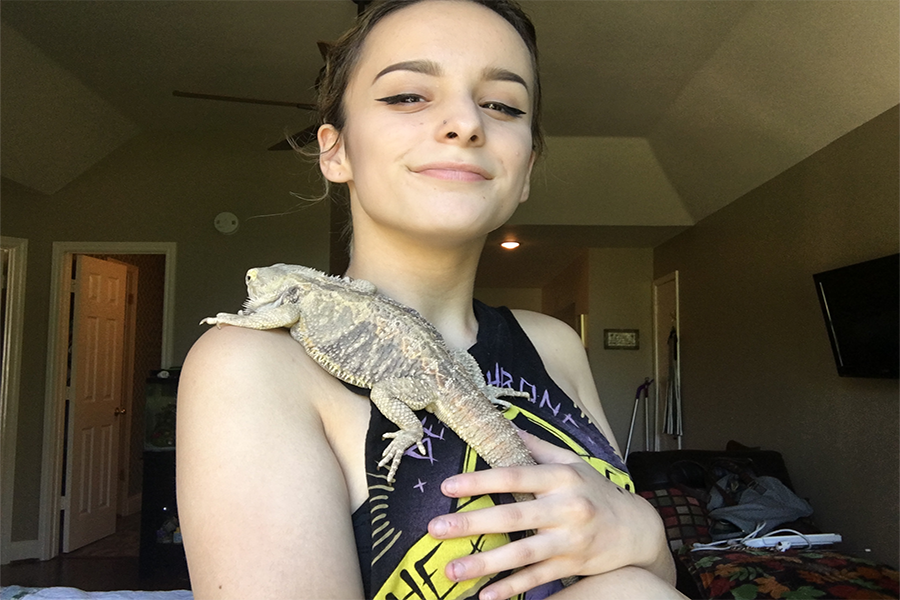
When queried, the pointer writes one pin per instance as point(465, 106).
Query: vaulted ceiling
point(658, 112)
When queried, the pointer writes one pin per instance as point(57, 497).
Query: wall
point(523, 298)
point(158, 187)
point(567, 295)
point(756, 361)
point(619, 297)
point(620, 281)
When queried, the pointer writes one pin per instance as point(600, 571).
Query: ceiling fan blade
point(361, 6)
point(324, 48)
point(300, 139)
point(300, 105)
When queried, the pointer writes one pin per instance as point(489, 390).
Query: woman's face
point(437, 141)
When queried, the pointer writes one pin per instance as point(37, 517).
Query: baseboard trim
point(23, 550)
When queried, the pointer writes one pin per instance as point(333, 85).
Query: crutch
point(641, 391)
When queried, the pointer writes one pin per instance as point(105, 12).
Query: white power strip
point(793, 541)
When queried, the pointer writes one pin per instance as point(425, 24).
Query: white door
point(95, 390)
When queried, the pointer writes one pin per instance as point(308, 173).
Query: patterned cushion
point(685, 519)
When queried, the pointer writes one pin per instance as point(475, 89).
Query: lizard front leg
point(273, 318)
point(397, 398)
point(470, 367)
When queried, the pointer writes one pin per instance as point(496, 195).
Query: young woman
point(430, 118)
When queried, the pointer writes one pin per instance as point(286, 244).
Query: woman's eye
point(503, 108)
point(401, 99)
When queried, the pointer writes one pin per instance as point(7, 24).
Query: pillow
point(685, 519)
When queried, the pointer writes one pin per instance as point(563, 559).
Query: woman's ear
point(526, 189)
point(332, 155)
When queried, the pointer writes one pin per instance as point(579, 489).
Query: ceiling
point(711, 97)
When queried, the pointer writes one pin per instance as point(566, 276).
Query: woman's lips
point(453, 172)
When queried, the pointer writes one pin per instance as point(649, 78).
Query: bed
point(667, 480)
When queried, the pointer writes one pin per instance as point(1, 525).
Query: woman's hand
point(584, 524)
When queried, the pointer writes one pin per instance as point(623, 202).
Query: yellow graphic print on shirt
point(420, 573)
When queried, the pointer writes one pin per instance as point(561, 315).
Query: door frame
point(9, 388)
point(57, 349)
point(128, 505)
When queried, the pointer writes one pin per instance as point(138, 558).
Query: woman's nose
point(462, 124)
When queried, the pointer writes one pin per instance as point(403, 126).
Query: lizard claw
point(218, 320)
point(394, 451)
point(502, 404)
point(392, 454)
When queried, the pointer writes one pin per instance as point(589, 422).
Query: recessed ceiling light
point(510, 245)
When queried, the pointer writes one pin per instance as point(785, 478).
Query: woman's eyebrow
point(428, 67)
point(501, 74)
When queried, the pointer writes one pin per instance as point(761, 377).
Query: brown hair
point(342, 58)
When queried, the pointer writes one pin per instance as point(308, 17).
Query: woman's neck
point(436, 281)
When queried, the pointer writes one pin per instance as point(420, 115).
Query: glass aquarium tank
point(159, 410)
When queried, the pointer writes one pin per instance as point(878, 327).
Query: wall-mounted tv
point(861, 306)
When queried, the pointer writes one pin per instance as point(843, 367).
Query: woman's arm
point(626, 583)
point(586, 525)
point(566, 361)
point(262, 500)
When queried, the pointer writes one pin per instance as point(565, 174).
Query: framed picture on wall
point(621, 339)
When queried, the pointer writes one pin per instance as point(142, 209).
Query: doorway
point(12, 307)
point(667, 418)
point(161, 285)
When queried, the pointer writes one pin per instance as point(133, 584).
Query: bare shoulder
point(561, 350)
point(263, 503)
point(234, 356)
point(547, 331)
point(241, 377)
point(559, 347)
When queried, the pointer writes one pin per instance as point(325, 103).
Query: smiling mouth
point(453, 172)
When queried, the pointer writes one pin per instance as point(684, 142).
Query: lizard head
point(275, 285)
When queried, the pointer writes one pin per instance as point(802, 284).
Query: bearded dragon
point(370, 341)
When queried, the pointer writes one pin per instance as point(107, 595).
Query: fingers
point(523, 580)
point(584, 523)
point(530, 479)
point(535, 555)
point(503, 518)
point(535, 480)
point(545, 452)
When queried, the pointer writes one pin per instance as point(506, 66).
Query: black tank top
point(397, 557)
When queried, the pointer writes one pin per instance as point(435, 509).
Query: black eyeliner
point(398, 98)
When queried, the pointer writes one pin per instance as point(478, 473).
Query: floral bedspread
point(760, 573)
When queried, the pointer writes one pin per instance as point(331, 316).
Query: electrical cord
point(734, 543)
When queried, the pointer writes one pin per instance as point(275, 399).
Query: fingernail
point(439, 527)
point(458, 570)
point(449, 486)
point(488, 595)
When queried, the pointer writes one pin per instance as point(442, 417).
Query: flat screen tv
point(861, 304)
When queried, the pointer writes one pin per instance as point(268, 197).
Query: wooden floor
point(106, 565)
point(88, 574)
